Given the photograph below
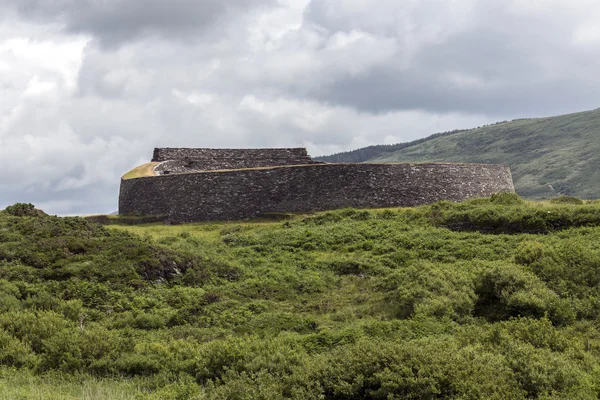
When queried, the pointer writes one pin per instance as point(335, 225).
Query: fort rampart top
point(219, 159)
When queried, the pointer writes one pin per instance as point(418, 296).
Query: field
point(487, 299)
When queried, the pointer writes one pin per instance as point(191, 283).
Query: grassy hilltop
point(548, 157)
point(487, 299)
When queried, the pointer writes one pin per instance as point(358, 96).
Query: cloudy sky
point(89, 87)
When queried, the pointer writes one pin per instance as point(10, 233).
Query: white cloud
point(588, 34)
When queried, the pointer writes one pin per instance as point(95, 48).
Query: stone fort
point(187, 185)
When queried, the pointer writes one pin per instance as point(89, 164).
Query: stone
point(226, 184)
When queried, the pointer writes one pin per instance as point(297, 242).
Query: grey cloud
point(385, 90)
point(498, 62)
point(113, 22)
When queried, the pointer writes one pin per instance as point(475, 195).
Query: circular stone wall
point(248, 193)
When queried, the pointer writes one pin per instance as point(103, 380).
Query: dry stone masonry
point(209, 184)
point(179, 160)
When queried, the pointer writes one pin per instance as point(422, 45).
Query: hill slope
point(547, 156)
point(370, 152)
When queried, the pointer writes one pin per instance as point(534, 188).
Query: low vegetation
point(487, 299)
point(141, 171)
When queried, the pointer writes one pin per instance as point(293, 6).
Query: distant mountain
point(548, 157)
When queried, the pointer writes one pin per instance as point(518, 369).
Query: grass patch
point(142, 171)
point(25, 385)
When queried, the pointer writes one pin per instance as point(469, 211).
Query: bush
point(570, 266)
point(542, 373)
point(505, 216)
point(83, 350)
point(14, 353)
point(420, 369)
point(529, 252)
point(9, 297)
point(431, 290)
point(137, 365)
point(22, 210)
point(505, 291)
point(506, 199)
point(566, 200)
point(34, 328)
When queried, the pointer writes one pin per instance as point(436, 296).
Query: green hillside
point(548, 157)
point(487, 299)
point(369, 152)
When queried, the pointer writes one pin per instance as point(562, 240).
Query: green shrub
point(9, 296)
point(42, 300)
point(529, 252)
point(506, 199)
point(82, 350)
point(133, 364)
point(570, 267)
point(542, 373)
point(431, 290)
point(503, 215)
point(422, 369)
point(566, 200)
point(505, 291)
point(14, 353)
point(72, 310)
point(34, 328)
point(149, 321)
point(22, 210)
point(6, 236)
